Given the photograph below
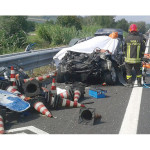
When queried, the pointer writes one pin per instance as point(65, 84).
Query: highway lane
point(112, 108)
point(144, 117)
point(144, 121)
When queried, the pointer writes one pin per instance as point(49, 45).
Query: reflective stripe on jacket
point(134, 48)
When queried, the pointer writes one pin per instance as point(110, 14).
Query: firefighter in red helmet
point(134, 49)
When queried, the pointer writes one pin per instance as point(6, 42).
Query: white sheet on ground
point(102, 42)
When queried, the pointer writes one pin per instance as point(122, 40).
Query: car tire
point(110, 77)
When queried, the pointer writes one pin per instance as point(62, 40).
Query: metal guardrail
point(29, 60)
point(35, 58)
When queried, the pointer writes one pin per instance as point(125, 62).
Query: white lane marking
point(30, 128)
point(147, 47)
point(22, 133)
point(130, 121)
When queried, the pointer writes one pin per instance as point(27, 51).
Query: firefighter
point(134, 48)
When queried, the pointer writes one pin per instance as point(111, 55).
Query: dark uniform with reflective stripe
point(134, 49)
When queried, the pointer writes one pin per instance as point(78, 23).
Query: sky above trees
point(129, 18)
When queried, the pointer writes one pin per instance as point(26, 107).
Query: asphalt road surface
point(123, 110)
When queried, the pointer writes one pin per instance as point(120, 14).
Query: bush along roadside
point(56, 34)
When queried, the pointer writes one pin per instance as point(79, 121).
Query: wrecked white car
point(91, 60)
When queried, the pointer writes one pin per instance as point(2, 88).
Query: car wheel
point(110, 77)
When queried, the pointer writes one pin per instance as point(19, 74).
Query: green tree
point(141, 27)
point(30, 26)
point(69, 21)
point(13, 32)
point(86, 20)
point(104, 21)
point(43, 31)
point(147, 27)
point(13, 24)
point(122, 24)
point(50, 22)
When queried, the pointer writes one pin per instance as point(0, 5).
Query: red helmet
point(133, 27)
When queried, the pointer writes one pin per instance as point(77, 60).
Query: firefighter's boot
point(129, 83)
point(139, 82)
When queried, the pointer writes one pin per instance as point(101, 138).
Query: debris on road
point(12, 101)
point(12, 77)
point(20, 92)
point(1, 125)
point(146, 70)
point(53, 87)
point(40, 107)
point(32, 92)
point(57, 102)
point(88, 116)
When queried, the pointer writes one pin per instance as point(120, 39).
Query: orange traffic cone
point(57, 101)
point(53, 87)
point(1, 125)
point(68, 103)
point(41, 78)
point(12, 77)
point(77, 95)
point(16, 92)
point(104, 84)
point(64, 95)
point(13, 90)
point(54, 73)
point(40, 107)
